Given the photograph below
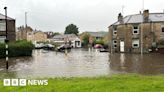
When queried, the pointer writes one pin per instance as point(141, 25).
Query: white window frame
point(2, 25)
point(114, 31)
point(136, 42)
point(136, 30)
point(115, 43)
point(2, 39)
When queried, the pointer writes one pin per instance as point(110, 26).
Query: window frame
point(135, 29)
point(136, 42)
point(2, 38)
point(115, 31)
point(2, 25)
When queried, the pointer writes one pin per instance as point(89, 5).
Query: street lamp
point(6, 40)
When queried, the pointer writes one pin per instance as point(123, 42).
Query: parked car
point(63, 47)
point(98, 46)
point(48, 47)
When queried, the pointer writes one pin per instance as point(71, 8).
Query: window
point(135, 43)
point(163, 30)
point(114, 31)
point(2, 39)
point(115, 46)
point(2, 26)
point(135, 30)
point(115, 43)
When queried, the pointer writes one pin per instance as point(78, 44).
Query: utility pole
point(123, 9)
point(25, 19)
point(6, 40)
point(142, 25)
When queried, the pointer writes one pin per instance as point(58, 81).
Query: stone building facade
point(27, 33)
point(137, 33)
point(11, 35)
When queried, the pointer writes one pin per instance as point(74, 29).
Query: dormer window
point(135, 30)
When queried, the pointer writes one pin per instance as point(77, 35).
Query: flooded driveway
point(81, 62)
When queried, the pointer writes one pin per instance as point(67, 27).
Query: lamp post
point(6, 40)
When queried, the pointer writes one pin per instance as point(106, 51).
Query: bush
point(18, 48)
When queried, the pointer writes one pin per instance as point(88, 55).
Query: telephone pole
point(25, 19)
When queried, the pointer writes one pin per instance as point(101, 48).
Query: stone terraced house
point(137, 33)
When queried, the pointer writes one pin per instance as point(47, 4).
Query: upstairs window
point(135, 30)
point(114, 41)
point(114, 31)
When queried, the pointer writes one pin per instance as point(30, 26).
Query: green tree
point(85, 40)
point(56, 33)
point(71, 29)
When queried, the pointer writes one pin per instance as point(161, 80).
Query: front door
point(122, 46)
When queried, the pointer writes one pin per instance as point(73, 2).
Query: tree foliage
point(85, 40)
point(71, 29)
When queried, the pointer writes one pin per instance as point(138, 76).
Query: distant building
point(49, 34)
point(40, 36)
point(71, 39)
point(131, 33)
point(27, 33)
point(94, 35)
point(11, 28)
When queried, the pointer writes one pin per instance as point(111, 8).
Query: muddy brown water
point(81, 63)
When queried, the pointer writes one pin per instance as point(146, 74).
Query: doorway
point(122, 46)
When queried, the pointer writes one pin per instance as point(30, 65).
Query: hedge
point(18, 48)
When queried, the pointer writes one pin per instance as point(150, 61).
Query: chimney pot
point(120, 18)
point(146, 15)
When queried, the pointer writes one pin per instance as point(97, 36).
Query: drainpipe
point(111, 51)
point(142, 38)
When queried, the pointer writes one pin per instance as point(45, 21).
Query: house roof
point(64, 36)
point(97, 34)
point(138, 18)
point(70, 37)
point(3, 17)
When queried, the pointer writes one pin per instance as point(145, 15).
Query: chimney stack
point(120, 18)
point(146, 15)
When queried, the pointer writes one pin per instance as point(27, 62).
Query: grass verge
point(116, 83)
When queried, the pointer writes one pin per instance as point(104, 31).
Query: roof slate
point(138, 18)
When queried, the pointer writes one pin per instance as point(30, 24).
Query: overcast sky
point(88, 15)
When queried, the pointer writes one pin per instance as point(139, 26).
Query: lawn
point(116, 83)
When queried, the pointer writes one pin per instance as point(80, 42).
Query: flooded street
point(81, 62)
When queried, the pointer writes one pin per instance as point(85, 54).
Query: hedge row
point(18, 48)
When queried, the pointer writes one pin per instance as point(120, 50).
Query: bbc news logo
point(24, 82)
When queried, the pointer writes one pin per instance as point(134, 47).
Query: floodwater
point(81, 63)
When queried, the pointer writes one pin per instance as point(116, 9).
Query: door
point(122, 46)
